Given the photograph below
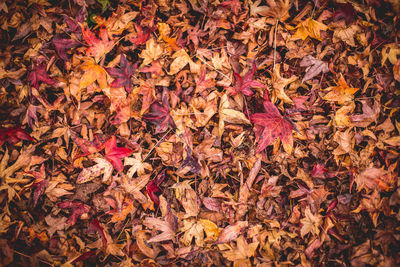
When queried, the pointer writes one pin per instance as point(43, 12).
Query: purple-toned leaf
point(62, 44)
point(123, 74)
point(78, 208)
point(346, 12)
point(159, 115)
point(39, 74)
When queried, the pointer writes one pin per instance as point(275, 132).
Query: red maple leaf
point(78, 209)
point(95, 226)
point(271, 125)
point(114, 154)
point(62, 44)
point(13, 135)
point(244, 84)
point(142, 35)
point(39, 74)
point(123, 74)
point(346, 12)
point(153, 187)
point(159, 115)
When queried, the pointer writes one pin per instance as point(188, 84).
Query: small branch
point(276, 28)
point(158, 142)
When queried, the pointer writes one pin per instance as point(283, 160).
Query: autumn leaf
point(38, 74)
point(102, 166)
point(152, 52)
point(231, 232)
point(279, 83)
point(314, 67)
point(227, 113)
point(13, 135)
point(114, 154)
point(308, 28)
point(92, 73)
point(123, 74)
point(341, 93)
point(310, 223)
point(244, 84)
point(188, 198)
point(153, 187)
point(159, 115)
point(62, 44)
point(137, 165)
point(345, 11)
point(78, 209)
point(98, 48)
point(271, 125)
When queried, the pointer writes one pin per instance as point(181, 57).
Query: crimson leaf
point(244, 84)
point(271, 125)
point(78, 208)
point(39, 74)
point(123, 75)
point(13, 134)
point(159, 115)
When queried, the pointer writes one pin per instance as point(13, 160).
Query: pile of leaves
point(199, 133)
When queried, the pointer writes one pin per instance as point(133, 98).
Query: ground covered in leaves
point(199, 133)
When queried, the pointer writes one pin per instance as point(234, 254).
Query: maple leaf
point(39, 74)
point(62, 44)
point(341, 93)
point(153, 187)
point(98, 48)
point(271, 125)
point(311, 223)
point(308, 28)
point(314, 67)
point(13, 135)
point(194, 33)
point(93, 72)
point(114, 154)
point(40, 183)
point(345, 11)
point(233, 5)
point(123, 74)
point(78, 209)
point(244, 84)
point(137, 165)
point(142, 35)
point(228, 114)
point(159, 115)
point(279, 83)
point(95, 226)
point(102, 166)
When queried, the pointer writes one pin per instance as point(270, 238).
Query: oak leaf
point(271, 125)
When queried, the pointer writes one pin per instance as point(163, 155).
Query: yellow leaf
point(279, 83)
point(342, 117)
point(211, 229)
point(152, 52)
point(390, 52)
point(181, 60)
point(308, 28)
point(341, 93)
point(93, 72)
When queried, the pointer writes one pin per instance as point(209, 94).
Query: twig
point(276, 28)
point(158, 142)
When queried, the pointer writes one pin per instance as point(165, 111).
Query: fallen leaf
point(271, 125)
point(342, 93)
point(279, 83)
point(314, 67)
